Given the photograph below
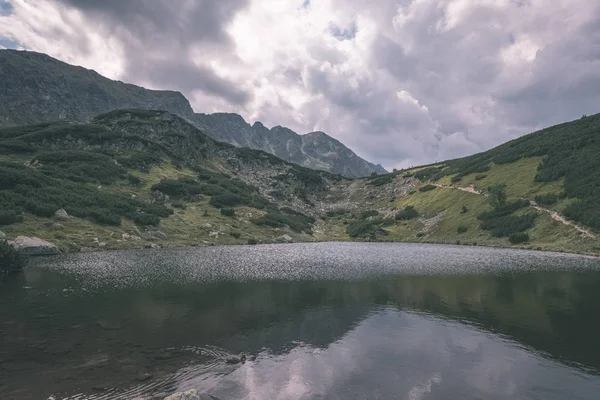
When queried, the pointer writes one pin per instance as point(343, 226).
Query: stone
point(151, 246)
point(156, 235)
point(2, 236)
point(214, 234)
point(126, 236)
point(285, 239)
point(207, 225)
point(33, 246)
point(86, 249)
point(191, 394)
point(61, 214)
point(233, 359)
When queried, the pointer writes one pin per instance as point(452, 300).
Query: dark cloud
point(160, 37)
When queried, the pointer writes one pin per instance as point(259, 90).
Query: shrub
point(228, 212)
point(426, 188)
point(367, 214)
point(480, 177)
point(146, 219)
point(236, 234)
point(462, 229)
point(226, 200)
point(509, 224)
point(11, 260)
point(252, 241)
point(9, 217)
point(464, 210)
point(361, 228)
point(409, 212)
point(519, 237)
point(296, 221)
point(456, 178)
point(497, 196)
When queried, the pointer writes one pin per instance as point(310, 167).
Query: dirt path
point(553, 214)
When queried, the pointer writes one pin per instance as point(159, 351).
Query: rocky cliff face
point(37, 88)
point(315, 150)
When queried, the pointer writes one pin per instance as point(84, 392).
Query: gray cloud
point(405, 82)
point(158, 37)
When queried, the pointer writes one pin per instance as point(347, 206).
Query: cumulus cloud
point(401, 83)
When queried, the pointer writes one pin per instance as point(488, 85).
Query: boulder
point(191, 394)
point(61, 214)
point(156, 235)
point(2, 236)
point(151, 246)
point(285, 239)
point(33, 246)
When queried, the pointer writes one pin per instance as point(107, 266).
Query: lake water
point(317, 321)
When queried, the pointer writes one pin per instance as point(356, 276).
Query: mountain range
point(35, 87)
point(131, 178)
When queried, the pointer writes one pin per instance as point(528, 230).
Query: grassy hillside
point(135, 178)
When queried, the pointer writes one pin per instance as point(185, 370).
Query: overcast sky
point(401, 82)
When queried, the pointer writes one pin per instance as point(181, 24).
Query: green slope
point(131, 173)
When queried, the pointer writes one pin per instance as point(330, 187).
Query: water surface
point(318, 321)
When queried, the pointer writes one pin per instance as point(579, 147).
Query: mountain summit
point(35, 87)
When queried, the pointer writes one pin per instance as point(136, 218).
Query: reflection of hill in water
point(116, 334)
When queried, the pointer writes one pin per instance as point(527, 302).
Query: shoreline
point(176, 246)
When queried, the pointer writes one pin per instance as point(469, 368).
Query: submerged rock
point(33, 246)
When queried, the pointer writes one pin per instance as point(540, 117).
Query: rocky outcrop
point(61, 214)
point(39, 88)
point(315, 150)
point(285, 239)
point(33, 246)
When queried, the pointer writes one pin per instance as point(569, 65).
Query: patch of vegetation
point(519, 237)
point(409, 212)
point(427, 188)
point(462, 229)
point(546, 199)
point(27, 189)
point(80, 166)
point(508, 224)
point(11, 260)
point(366, 229)
point(367, 214)
point(252, 241)
point(336, 213)
point(381, 179)
point(8, 217)
point(431, 173)
point(141, 161)
point(228, 212)
point(295, 220)
point(464, 210)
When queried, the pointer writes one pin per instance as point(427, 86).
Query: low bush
point(409, 212)
point(296, 221)
point(9, 217)
point(464, 210)
point(367, 214)
point(519, 237)
point(426, 188)
point(508, 224)
point(252, 241)
point(456, 178)
point(462, 229)
point(480, 177)
point(228, 212)
point(11, 260)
